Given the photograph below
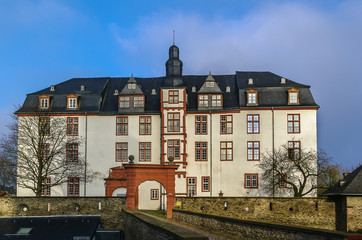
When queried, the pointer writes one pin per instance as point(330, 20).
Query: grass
point(156, 213)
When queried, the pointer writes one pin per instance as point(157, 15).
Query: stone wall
point(354, 213)
point(306, 212)
point(110, 208)
point(243, 229)
point(137, 225)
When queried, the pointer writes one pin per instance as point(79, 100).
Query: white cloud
point(307, 44)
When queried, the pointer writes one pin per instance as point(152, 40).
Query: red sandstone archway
point(132, 175)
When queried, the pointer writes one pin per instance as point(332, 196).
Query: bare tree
point(47, 156)
point(8, 158)
point(330, 176)
point(291, 170)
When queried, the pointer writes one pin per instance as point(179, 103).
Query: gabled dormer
point(210, 95)
point(252, 97)
point(72, 101)
point(131, 98)
point(44, 102)
point(293, 96)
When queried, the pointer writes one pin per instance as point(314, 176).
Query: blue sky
point(45, 42)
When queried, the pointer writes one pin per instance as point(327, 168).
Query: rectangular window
point(154, 194)
point(205, 184)
point(72, 126)
point(173, 147)
point(121, 152)
point(293, 97)
point(251, 180)
point(201, 151)
point(253, 122)
point(253, 151)
point(138, 101)
point(252, 98)
point(226, 124)
point(226, 151)
point(294, 150)
point(201, 124)
point(145, 151)
point(72, 152)
point(191, 186)
point(282, 180)
point(44, 126)
point(122, 126)
point(173, 96)
point(72, 102)
point(123, 102)
point(293, 123)
point(44, 103)
point(145, 125)
point(173, 122)
point(45, 152)
point(46, 187)
point(216, 100)
point(203, 100)
point(73, 186)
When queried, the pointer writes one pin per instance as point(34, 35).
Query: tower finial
point(173, 42)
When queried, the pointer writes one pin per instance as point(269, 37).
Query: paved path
point(205, 231)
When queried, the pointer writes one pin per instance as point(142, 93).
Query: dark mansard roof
point(101, 95)
point(349, 185)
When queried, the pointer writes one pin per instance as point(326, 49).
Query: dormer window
point(123, 102)
point(138, 101)
point(252, 97)
point(210, 84)
point(193, 89)
point(227, 89)
point(72, 101)
point(216, 100)
point(44, 101)
point(173, 96)
point(203, 100)
point(131, 86)
point(153, 92)
point(293, 96)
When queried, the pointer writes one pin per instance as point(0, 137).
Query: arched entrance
point(119, 192)
point(151, 196)
point(132, 175)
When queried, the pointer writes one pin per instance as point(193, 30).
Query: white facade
point(209, 140)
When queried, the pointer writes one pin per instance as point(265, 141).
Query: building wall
point(225, 176)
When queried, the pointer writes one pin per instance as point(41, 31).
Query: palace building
point(214, 127)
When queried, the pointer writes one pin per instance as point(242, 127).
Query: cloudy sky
point(319, 43)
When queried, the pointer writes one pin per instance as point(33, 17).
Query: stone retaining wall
point(109, 208)
point(306, 212)
point(140, 226)
point(242, 229)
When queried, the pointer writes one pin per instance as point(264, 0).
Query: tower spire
point(173, 41)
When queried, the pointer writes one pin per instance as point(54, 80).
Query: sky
point(316, 42)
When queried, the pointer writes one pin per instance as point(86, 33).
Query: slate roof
point(99, 96)
point(49, 227)
point(351, 185)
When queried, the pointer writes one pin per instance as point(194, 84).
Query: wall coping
point(269, 225)
point(176, 231)
point(277, 198)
